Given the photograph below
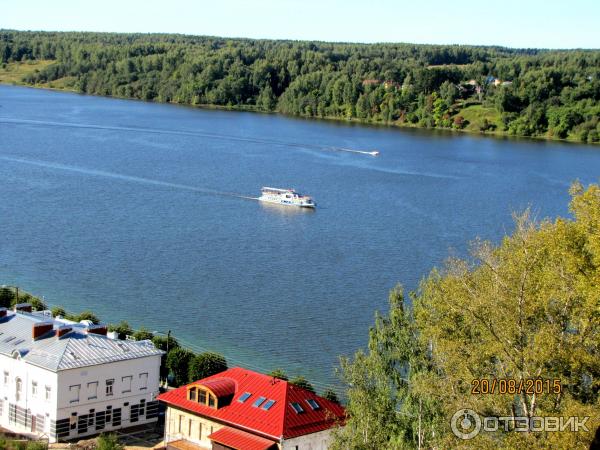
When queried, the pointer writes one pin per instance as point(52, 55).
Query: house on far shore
point(64, 380)
point(241, 409)
point(371, 82)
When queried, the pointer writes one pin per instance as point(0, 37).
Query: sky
point(511, 23)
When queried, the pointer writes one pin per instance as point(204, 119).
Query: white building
point(64, 380)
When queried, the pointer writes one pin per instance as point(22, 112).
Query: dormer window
point(192, 394)
point(202, 396)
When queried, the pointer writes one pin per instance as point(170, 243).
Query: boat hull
point(287, 203)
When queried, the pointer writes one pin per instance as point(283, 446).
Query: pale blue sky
point(513, 23)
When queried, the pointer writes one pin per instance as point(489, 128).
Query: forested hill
point(528, 92)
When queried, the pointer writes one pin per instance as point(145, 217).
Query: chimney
point(97, 329)
point(41, 328)
point(112, 335)
point(23, 307)
point(61, 331)
point(2, 313)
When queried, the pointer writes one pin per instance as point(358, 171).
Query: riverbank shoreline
point(350, 121)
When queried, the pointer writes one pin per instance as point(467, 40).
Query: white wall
point(314, 441)
point(60, 405)
point(123, 395)
point(37, 404)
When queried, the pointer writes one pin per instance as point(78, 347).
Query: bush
point(109, 442)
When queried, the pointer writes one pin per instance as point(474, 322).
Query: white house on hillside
point(65, 380)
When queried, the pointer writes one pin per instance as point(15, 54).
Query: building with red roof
point(241, 409)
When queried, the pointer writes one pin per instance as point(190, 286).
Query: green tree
point(303, 383)
point(123, 329)
point(163, 343)
point(143, 334)
point(387, 405)
point(206, 364)
point(86, 315)
point(37, 304)
point(6, 297)
point(528, 309)
point(58, 311)
point(178, 363)
point(330, 395)
point(279, 373)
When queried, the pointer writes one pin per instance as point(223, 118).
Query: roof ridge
point(285, 408)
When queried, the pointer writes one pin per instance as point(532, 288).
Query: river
point(143, 212)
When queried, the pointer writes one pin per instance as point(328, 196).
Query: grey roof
point(74, 349)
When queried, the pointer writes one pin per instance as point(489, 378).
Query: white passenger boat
point(286, 197)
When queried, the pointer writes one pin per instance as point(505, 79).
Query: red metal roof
point(240, 440)
point(221, 387)
point(279, 421)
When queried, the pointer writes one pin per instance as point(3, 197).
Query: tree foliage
point(123, 329)
point(279, 373)
point(303, 383)
point(178, 363)
point(526, 309)
point(552, 93)
point(206, 364)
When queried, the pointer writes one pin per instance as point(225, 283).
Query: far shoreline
point(353, 121)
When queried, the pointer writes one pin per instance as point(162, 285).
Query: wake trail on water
point(119, 176)
point(185, 133)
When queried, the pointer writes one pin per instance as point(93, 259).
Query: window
point(313, 404)
point(190, 427)
point(244, 397)
point(268, 405)
point(48, 393)
point(18, 387)
point(143, 406)
point(259, 401)
point(74, 393)
point(193, 394)
point(5, 378)
point(143, 380)
point(211, 401)
point(297, 407)
point(200, 431)
point(34, 389)
point(201, 396)
point(180, 421)
point(92, 390)
point(109, 386)
point(126, 383)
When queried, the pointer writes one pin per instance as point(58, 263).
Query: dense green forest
point(524, 92)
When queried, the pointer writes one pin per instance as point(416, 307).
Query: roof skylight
point(313, 404)
point(259, 401)
point(268, 405)
point(244, 397)
point(297, 407)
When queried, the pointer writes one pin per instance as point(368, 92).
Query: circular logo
point(465, 424)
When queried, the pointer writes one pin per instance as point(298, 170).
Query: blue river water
point(144, 212)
